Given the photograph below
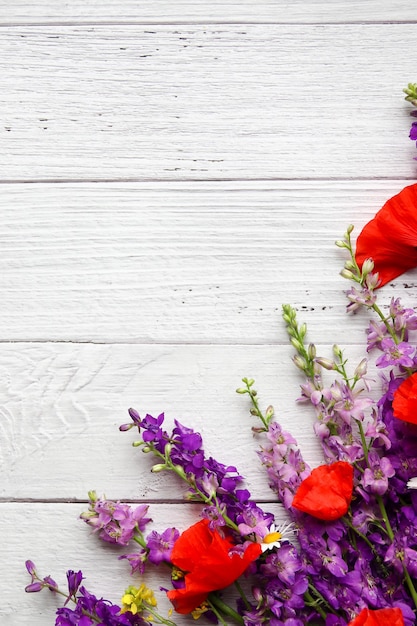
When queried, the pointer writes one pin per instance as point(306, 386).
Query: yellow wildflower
point(136, 599)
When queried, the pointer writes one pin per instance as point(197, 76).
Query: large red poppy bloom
point(205, 557)
point(404, 404)
point(390, 238)
point(327, 492)
point(380, 617)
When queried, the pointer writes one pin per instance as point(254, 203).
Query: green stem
point(161, 620)
point(221, 608)
point(242, 594)
point(314, 603)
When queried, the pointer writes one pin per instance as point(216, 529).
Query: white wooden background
point(172, 171)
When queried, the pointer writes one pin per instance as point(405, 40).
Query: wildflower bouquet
point(348, 554)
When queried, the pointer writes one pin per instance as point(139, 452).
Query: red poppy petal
point(390, 238)
point(380, 617)
point(404, 404)
point(189, 546)
point(185, 601)
point(205, 557)
point(327, 492)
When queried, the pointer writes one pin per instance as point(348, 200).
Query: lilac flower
point(284, 563)
point(395, 354)
point(160, 546)
point(137, 560)
point(348, 404)
point(375, 477)
point(358, 298)
point(400, 555)
point(115, 522)
point(377, 331)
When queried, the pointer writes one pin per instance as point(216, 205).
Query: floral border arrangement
point(348, 554)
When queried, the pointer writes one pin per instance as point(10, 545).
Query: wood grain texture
point(205, 102)
point(181, 263)
point(170, 174)
point(63, 404)
point(180, 11)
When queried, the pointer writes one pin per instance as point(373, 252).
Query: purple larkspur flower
point(116, 522)
point(254, 520)
point(74, 580)
point(160, 545)
point(377, 332)
point(395, 354)
point(284, 563)
point(400, 555)
point(375, 477)
point(136, 560)
point(348, 403)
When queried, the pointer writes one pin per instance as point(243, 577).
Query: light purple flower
point(375, 478)
point(395, 354)
point(160, 546)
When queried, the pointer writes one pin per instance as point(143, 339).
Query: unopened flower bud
point(241, 390)
point(180, 470)
point(299, 362)
point(337, 351)
point(361, 369)
point(340, 243)
point(349, 229)
point(31, 568)
point(347, 274)
point(303, 330)
point(167, 450)
point(269, 412)
point(296, 344)
point(349, 265)
point(92, 496)
point(159, 467)
point(124, 427)
point(33, 587)
point(311, 350)
point(367, 266)
point(326, 363)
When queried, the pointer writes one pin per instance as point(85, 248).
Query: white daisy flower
point(276, 535)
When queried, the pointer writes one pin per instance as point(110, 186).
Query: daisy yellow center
point(272, 537)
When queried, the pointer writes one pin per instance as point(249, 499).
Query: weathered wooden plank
point(180, 263)
point(205, 102)
point(62, 405)
point(164, 11)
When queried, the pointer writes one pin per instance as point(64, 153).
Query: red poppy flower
point(327, 492)
point(390, 238)
point(380, 617)
point(404, 404)
point(205, 557)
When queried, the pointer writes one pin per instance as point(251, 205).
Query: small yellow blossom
point(136, 599)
